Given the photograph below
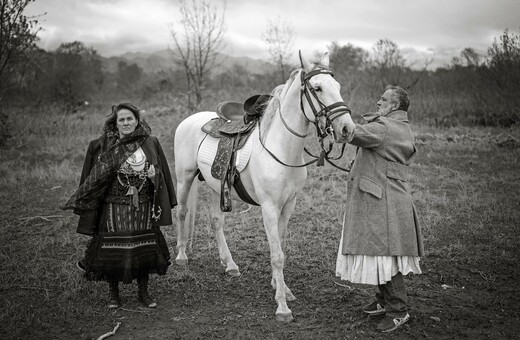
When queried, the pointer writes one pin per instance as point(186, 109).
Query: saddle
point(233, 126)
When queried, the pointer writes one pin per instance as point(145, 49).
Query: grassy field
point(466, 188)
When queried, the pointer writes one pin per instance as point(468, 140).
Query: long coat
point(165, 198)
point(380, 218)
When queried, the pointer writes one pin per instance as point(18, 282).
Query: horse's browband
point(321, 70)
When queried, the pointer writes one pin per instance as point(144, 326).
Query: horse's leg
point(282, 233)
point(217, 221)
point(271, 220)
point(184, 183)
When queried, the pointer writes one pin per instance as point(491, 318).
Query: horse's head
point(321, 100)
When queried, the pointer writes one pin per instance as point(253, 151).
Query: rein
point(276, 158)
point(287, 126)
point(330, 113)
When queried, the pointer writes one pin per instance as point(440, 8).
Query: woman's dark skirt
point(128, 246)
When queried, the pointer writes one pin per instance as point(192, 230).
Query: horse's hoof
point(233, 272)
point(284, 317)
point(290, 297)
point(181, 262)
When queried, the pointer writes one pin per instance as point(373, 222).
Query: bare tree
point(198, 38)
point(78, 74)
point(504, 73)
point(468, 58)
point(348, 63)
point(17, 41)
point(279, 36)
point(471, 57)
point(390, 67)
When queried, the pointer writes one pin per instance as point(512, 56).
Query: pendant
point(158, 215)
point(135, 196)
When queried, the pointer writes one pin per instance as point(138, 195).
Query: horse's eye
point(317, 88)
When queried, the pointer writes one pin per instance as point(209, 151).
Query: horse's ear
point(305, 64)
point(325, 59)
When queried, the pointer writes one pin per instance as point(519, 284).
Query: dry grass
point(466, 189)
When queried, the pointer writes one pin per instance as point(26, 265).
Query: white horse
point(274, 175)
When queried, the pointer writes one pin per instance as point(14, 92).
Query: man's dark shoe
point(114, 303)
point(374, 309)
point(391, 323)
point(147, 301)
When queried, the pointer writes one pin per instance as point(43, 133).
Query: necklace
point(133, 191)
point(137, 160)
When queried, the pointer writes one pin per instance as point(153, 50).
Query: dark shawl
point(114, 152)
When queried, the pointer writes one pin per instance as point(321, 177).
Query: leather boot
point(142, 293)
point(114, 301)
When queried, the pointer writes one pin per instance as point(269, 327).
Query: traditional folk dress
point(121, 204)
point(127, 246)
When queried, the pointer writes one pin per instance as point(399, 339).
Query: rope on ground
point(46, 218)
point(106, 335)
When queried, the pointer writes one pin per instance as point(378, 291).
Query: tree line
point(473, 88)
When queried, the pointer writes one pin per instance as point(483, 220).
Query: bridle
point(330, 112)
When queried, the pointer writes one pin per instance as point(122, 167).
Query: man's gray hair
point(399, 95)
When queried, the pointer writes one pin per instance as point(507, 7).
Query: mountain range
point(163, 61)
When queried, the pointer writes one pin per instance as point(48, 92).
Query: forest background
point(193, 75)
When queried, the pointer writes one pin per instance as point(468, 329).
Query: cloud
point(117, 26)
point(113, 26)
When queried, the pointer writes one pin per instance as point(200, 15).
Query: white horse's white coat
point(271, 184)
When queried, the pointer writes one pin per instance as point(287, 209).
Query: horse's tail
point(191, 206)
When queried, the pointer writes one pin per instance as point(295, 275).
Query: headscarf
point(115, 151)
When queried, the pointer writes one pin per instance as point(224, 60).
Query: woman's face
point(126, 122)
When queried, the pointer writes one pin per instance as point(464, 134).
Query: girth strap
point(242, 192)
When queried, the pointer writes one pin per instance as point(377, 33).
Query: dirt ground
point(468, 290)
point(452, 299)
point(444, 305)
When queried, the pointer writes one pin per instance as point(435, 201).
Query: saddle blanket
point(208, 151)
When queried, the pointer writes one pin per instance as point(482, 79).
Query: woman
point(126, 192)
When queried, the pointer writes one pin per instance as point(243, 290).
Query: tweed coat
point(89, 221)
point(380, 218)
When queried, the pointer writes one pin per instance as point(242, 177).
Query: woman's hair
point(110, 123)
point(401, 96)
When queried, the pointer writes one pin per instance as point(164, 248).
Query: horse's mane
point(277, 94)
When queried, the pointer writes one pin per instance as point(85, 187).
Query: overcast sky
point(435, 28)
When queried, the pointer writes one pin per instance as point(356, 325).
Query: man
point(381, 239)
